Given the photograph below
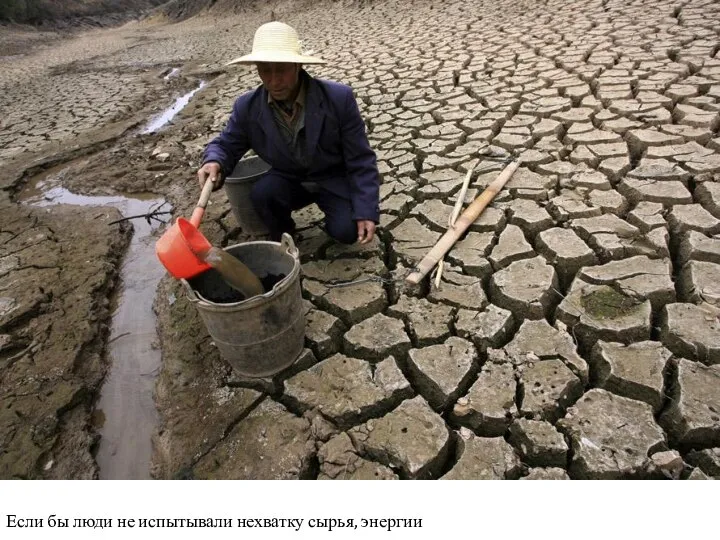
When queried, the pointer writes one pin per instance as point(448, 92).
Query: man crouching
point(310, 132)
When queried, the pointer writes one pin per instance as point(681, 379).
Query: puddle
point(125, 414)
point(164, 118)
point(173, 73)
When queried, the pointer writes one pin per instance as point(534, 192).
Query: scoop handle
point(199, 211)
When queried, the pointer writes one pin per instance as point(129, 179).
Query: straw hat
point(276, 42)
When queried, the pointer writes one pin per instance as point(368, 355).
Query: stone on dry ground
point(427, 323)
point(611, 436)
point(471, 253)
point(539, 443)
point(670, 464)
point(565, 250)
point(698, 247)
point(570, 205)
point(376, 338)
point(340, 461)
point(698, 282)
point(614, 238)
point(347, 390)
point(666, 192)
point(693, 417)
point(433, 213)
point(647, 216)
point(692, 331)
point(491, 327)
point(604, 312)
point(707, 460)
point(270, 443)
point(511, 246)
point(529, 216)
point(492, 220)
point(460, 291)
point(412, 438)
point(353, 303)
point(480, 458)
point(323, 332)
point(638, 277)
point(398, 286)
point(537, 340)
point(412, 240)
point(526, 287)
point(547, 388)
point(708, 194)
point(524, 184)
point(692, 217)
point(552, 473)
point(698, 474)
point(489, 406)
point(442, 372)
point(635, 371)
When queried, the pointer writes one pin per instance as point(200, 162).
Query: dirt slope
point(47, 11)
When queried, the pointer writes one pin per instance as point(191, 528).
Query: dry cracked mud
point(576, 331)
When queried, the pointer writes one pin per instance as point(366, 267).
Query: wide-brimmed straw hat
point(276, 42)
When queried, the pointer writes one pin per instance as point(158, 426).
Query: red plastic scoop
point(177, 247)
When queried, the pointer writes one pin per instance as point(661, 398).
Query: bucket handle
point(286, 242)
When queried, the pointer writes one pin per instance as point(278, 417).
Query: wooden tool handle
point(466, 219)
point(202, 203)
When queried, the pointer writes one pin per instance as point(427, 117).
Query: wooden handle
point(466, 219)
point(202, 203)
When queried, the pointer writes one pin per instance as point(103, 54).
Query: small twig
point(118, 337)
point(158, 206)
point(148, 216)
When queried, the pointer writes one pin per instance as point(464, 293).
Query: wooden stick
point(453, 217)
point(466, 219)
point(438, 276)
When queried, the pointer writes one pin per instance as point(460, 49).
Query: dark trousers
point(275, 197)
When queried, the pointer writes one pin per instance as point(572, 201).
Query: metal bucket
point(265, 334)
point(237, 188)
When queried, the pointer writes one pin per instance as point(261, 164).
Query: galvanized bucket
point(237, 188)
point(263, 335)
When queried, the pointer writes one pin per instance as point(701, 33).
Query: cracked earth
point(576, 331)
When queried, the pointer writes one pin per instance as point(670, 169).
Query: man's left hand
point(366, 230)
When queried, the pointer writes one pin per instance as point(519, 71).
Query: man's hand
point(212, 171)
point(366, 230)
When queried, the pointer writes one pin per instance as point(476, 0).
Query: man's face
point(279, 78)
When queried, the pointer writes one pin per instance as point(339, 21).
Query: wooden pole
point(466, 219)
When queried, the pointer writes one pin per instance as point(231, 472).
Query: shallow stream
point(125, 413)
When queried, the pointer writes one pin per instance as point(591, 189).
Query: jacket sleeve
point(360, 162)
point(228, 147)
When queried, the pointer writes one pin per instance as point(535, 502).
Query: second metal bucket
point(237, 188)
point(263, 335)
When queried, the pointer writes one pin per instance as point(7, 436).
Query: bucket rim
point(289, 248)
point(255, 161)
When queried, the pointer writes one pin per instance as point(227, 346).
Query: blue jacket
point(342, 161)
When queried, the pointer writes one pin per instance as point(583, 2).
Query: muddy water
point(168, 114)
point(125, 414)
point(234, 272)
